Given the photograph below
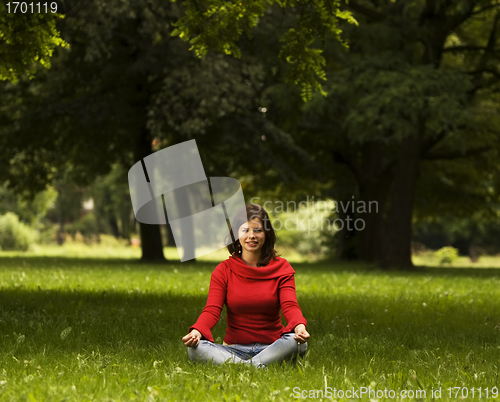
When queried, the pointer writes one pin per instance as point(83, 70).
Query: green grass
point(110, 248)
point(109, 329)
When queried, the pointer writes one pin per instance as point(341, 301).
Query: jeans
point(256, 354)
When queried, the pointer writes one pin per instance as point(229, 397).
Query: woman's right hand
point(192, 339)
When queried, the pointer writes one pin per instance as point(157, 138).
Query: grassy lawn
point(76, 328)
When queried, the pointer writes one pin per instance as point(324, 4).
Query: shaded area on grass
point(141, 320)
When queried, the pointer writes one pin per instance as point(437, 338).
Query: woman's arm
point(291, 310)
point(211, 313)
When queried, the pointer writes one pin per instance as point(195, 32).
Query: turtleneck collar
point(274, 269)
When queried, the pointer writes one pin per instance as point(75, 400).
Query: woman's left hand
point(301, 335)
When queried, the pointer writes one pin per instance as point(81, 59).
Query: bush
point(447, 255)
point(111, 241)
point(47, 233)
point(87, 227)
point(15, 235)
point(305, 240)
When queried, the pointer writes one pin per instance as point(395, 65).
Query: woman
point(254, 283)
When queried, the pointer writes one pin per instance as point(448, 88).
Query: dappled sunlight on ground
point(81, 250)
point(429, 260)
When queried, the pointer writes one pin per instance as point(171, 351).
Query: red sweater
point(253, 297)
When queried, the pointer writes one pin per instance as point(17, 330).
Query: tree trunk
point(170, 236)
point(396, 249)
point(374, 181)
point(370, 240)
point(126, 218)
point(113, 224)
point(60, 231)
point(347, 236)
point(151, 242)
point(386, 192)
point(152, 250)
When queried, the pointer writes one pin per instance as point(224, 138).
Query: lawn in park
point(77, 328)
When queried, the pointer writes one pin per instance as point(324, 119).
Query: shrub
point(447, 255)
point(111, 241)
point(15, 235)
point(86, 227)
point(47, 233)
point(305, 242)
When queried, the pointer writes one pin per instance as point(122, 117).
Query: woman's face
point(252, 236)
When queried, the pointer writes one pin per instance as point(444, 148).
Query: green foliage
point(32, 211)
point(389, 98)
point(15, 235)
point(86, 226)
point(305, 244)
point(47, 233)
point(112, 207)
point(404, 107)
point(307, 231)
point(27, 41)
point(219, 24)
point(446, 255)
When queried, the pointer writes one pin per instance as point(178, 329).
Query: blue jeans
point(257, 354)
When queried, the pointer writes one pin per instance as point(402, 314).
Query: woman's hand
point(192, 339)
point(301, 335)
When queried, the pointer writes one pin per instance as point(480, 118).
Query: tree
point(219, 25)
point(112, 206)
point(27, 40)
point(90, 110)
point(416, 86)
point(123, 85)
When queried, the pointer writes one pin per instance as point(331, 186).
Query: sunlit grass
point(428, 259)
point(109, 328)
point(110, 248)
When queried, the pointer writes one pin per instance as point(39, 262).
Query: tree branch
point(482, 10)
point(457, 20)
point(460, 48)
point(490, 49)
point(457, 154)
point(366, 11)
point(430, 142)
point(485, 70)
point(339, 158)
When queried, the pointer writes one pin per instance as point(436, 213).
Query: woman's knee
point(301, 347)
point(197, 352)
point(289, 337)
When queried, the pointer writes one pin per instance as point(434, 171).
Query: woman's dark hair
point(247, 214)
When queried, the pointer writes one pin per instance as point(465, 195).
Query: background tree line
point(410, 119)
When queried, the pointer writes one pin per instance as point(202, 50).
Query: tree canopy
point(27, 41)
point(219, 25)
point(410, 120)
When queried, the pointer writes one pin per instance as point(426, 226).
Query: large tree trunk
point(396, 250)
point(347, 236)
point(152, 250)
point(151, 242)
point(170, 242)
point(386, 191)
point(374, 179)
